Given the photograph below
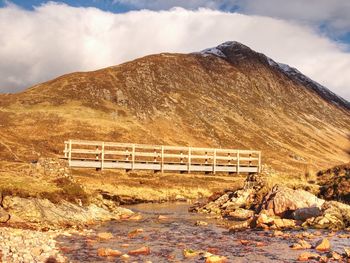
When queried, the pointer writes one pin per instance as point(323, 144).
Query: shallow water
point(168, 238)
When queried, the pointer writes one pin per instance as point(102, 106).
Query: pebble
point(216, 259)
point(323, 245)
point(105, 235)
point(107, 252)
point(140, 251)
point(306, 256)
point(22, 245)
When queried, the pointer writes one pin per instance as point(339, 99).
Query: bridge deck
point(108, 155)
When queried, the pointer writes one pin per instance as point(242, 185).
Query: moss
point(70, 191)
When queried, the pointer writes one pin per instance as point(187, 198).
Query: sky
point(41, 40)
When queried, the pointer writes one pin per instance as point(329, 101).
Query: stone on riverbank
point(301, 244)
point(107, 252)
point(105, 235)
point(4, 216)
point(140, 251)
point(335, 215)
point(283, 202)
point(306, 256)
point(323, 245)
point(216, 259)
point(45, 213)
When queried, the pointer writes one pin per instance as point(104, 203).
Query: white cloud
point(164, 5)
point(332, 15)
point(55, 39)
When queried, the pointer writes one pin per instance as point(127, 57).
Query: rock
point(105, 235)
point(201, 223)
point(161, 217)
point(260, 244)
point(302, 214)
point(283, 202)
point(347, 251)
point(125, 257)
point(135, 217)
point(306, 256)
point(135, 232)
point(284, 223)
point(189, 253)
point(140, 251)
point(241, 214)
point(264, 219)
point(42, 211)
point(323, 245)
point(244, 242)
point(230, 201)
point(4, 216)
point(335, 215)
point(301, 244)
point(335, 255)
point(216, 259)
point(107, 252)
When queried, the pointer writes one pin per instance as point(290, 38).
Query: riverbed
point(177, 231)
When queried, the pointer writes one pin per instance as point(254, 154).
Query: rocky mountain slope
point(228, 96)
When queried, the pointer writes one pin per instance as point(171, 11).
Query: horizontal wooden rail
point(98, 154)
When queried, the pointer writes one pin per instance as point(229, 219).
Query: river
point(168, 238)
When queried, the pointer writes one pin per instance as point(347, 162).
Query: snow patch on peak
point(271, 62)
point(213, 51)
point(217, 51)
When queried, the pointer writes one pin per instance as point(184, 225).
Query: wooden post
point(133, 157)
point(127, 154)
point(259, 168)
point(102, 155)
point(70, 153)
point(162, 159)
point(214, 161)
point(237, 162)
point(189, 159)
point(96, 155)
point(65, 150)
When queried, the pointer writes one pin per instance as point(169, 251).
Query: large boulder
point(46, 213)
point(335, 215)
point(288, 203)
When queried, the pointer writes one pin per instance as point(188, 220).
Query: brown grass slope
point(181, 99)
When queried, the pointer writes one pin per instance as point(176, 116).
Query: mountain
point(227, 96)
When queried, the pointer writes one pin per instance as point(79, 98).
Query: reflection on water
point(168, 238)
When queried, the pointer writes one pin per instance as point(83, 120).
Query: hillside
point(228, 96)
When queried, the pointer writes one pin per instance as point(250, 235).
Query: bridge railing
point(110, 152)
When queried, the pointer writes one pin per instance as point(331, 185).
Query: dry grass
point(155, 186)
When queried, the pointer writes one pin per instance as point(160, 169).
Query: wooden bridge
point(128, 156)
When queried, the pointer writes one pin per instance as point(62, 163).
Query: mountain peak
point(225, 48)
point(239, 54)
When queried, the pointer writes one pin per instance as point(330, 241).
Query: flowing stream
point(168, 238)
